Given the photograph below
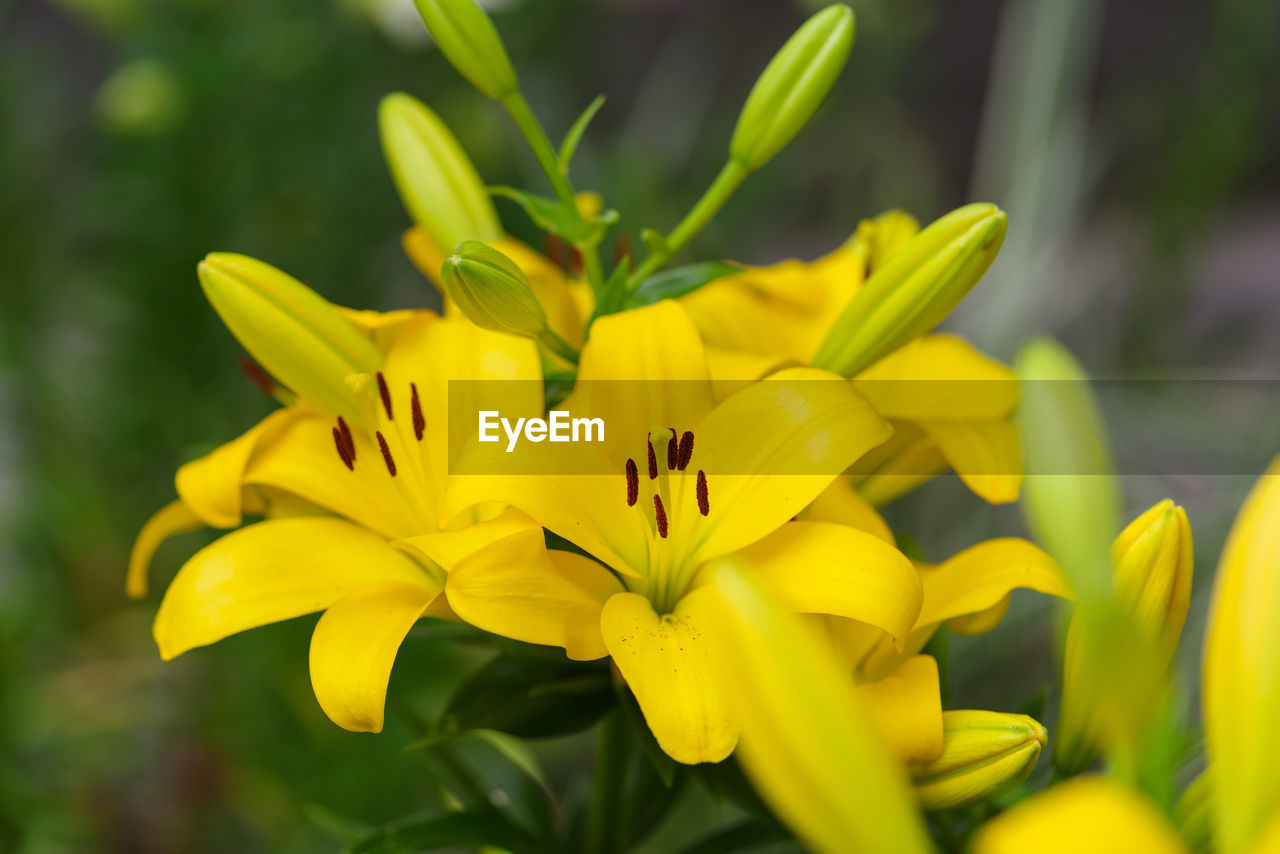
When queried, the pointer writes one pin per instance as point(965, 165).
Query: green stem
point(545, 154)
point(608, 786)
point(729, 179)
point(559, 346)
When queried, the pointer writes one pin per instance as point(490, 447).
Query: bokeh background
point(1135, 144)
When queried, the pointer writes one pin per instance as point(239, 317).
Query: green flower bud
point(792, 86)
point(292, 331)
point(437, 182)
point(914, 288)
point(493, 293)
point(465, 35)
point(983, 753)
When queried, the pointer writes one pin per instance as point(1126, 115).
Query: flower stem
point(559, 346)
point(729, 179)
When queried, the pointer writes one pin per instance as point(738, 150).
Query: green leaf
point(533, 700)
point(446, 830)
point(678, 281)
point(663, 764)
point(574, 136)
point(550, 215)
point(613, 294)
point(483, 770)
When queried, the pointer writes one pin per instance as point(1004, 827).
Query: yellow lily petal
point(824, 568)
point(174, 518)
point(272, 571)
point(981, 622)
point(986, 454)
point(446, 548)
point(778, 311)
point(909, 458)
point(667, 662)
point(1091, 814)
point(382, 327)
point(841, 503)
point(212, 486)
point(354, 645)
point(939, 377)
point(905, 707)
point(1241, 679)
point(771, 449)
point(517, 588)
point(807, 742)
point(981, 576)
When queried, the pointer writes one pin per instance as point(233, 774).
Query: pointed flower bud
point(914, 289)
point(792, 86)
point(437, 182)
point(983, 753)
point(493, 293)
point(292, 331)
point(1152, 566)
point(467, 38)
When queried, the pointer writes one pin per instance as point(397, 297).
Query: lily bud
point(914, 289)
point(437, 182)
point(493, 293)
point(983, 753)
point(293, 332)
point(1151, 570)
point(792, 86)
point(467, 38)
point(892, 230)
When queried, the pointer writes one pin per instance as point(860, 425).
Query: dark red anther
point(554, 249)
point(621, 249)
point(686, 450)
point(633, 483)
point(704, 499)
point(386, 453)
point(342, 450)
point(575, 261)
point(673, 453)
point(660, 514)
point(346, 437)
point(653, 463)
point(385, 394)
point(257, 375)
point(419, 421)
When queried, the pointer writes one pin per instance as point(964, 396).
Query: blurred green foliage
point(137, 135)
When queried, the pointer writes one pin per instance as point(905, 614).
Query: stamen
point(553, 248)
point(386, 453)
point(704, 499)
point(660, 513)
point(673, 452)
point(621, 249)
point(385, 394)
point(686, 450)
point(419, 422)
point(342, 450)
point(633, 483)
point(346, 437)
point(653, 462)
point(257, 375)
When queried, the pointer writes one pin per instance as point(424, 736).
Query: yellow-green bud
point(914, 289)
point(467, 38)
point(982, 754)
point(792, 86)
point(293, 332)
point(437, 182)
point(1151, 571)
point(492, 291)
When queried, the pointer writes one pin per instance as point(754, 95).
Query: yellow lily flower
point(713, 480)
point(1241, 677)
point(360, 485)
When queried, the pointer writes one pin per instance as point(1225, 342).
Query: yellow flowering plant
point(710, 581)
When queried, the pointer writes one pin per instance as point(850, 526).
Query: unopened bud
point(792, 86)
point(292, 331)
point(983, 753)
point(914, 289)
point(437, 182)
point(493, 293)
point(467, 38)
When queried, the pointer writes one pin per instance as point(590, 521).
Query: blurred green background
point(1135, 145)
